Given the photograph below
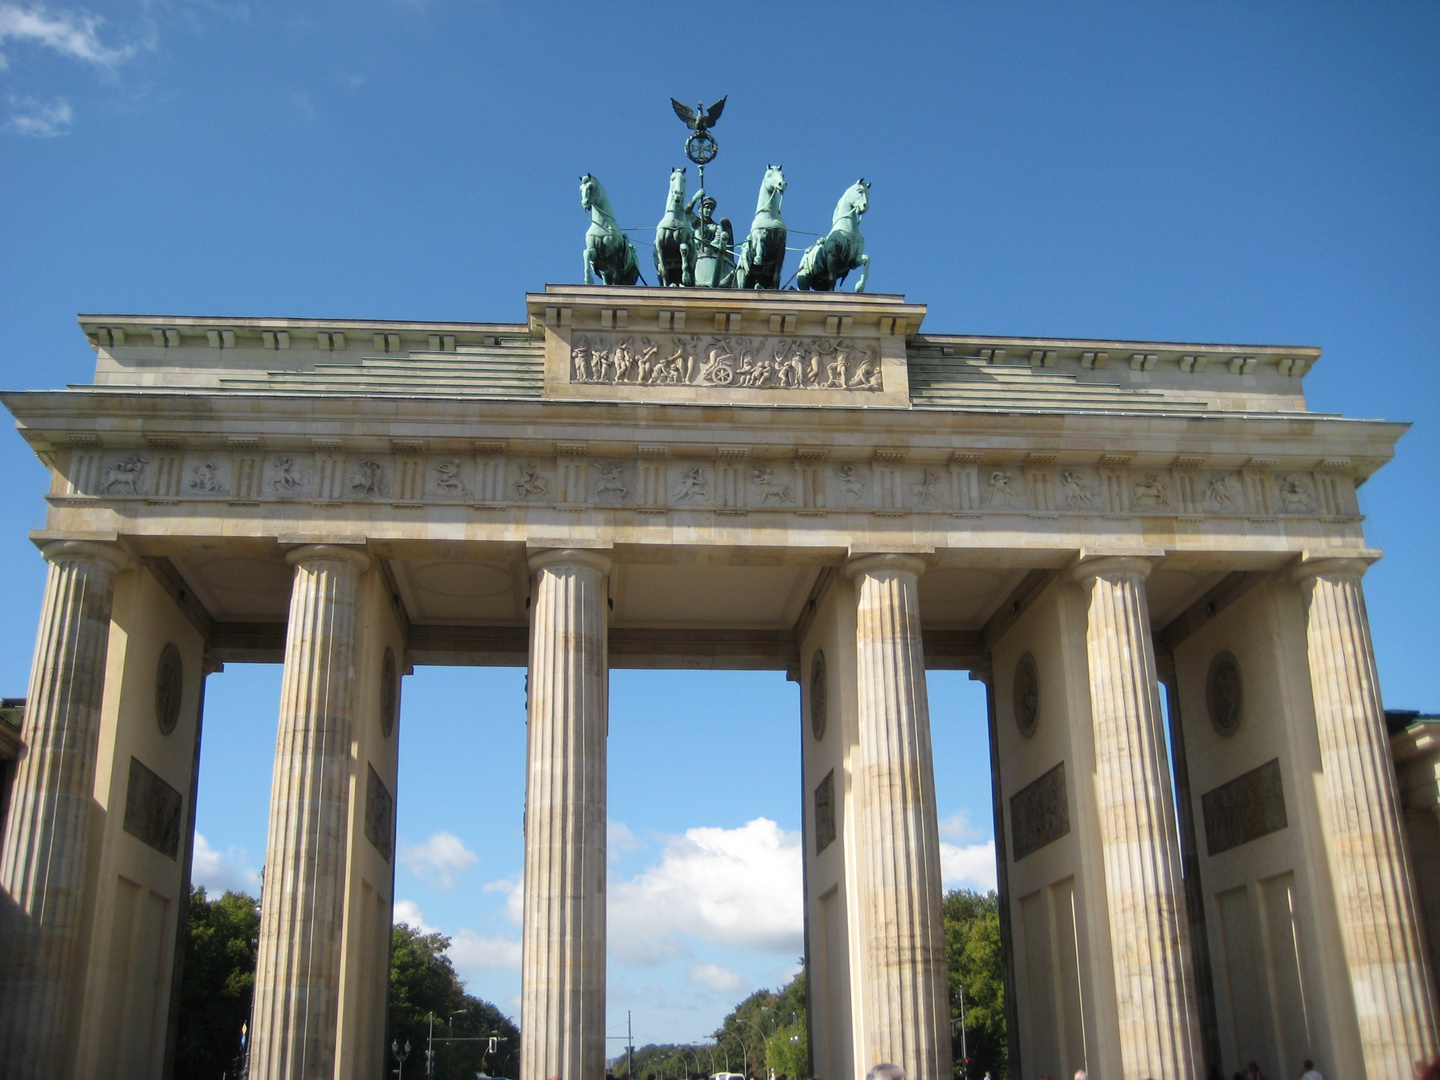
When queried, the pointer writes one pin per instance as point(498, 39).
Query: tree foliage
point(972, 950)
point(216, 983)
point(423, 983)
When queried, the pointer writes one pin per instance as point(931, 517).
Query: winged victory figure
point(700, 119)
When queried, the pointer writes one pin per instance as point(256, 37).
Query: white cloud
point(739, 887)
point(481, 952)
point(69, 34)
point(221, 871)
point(438, 860)
point(619, 840)
point(717, 978)
point(514, 891)
point(408, 912)
point(31, 116)
point(971, 865)
point(958, 829)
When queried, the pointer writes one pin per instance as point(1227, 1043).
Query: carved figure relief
point(694, 484)
point(369, 478)
point(1151, 491)
point(770, 487)
point(1244, 809)
point(761, 362)
point(205, 477)
point(610, 482)
point(379, 813)
point(447, 479)
point(1295, 495)
point(1002, 491)
point(152, 810)
point(531, 483)
point(289, 480)
point(819, 695)
point(389, 693)
point(169, 688)
point(825, 812)
point(123, 478)
point(1039, 813)
point(1224, 693)
point(1220, 493)
point(927, 488)
point(852, 484)
point(1078, 494)
point(1027, 695)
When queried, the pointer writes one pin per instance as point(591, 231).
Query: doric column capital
point(351, 555)
point(108, 554)
point(1310, 568)
point(1111, 567)
point(560, 557)
point(885, 561)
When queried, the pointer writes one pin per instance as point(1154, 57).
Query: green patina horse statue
point(763, 252)
point(829, 260)
point(609, 254)
point(674, 238)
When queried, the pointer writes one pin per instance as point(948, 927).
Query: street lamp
point(762, 1035)
point(400, 1055)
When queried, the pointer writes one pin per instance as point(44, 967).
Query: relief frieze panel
point(778, 363)
point(729, 481)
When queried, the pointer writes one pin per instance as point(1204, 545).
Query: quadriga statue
point(829, 260)
point(609, 254)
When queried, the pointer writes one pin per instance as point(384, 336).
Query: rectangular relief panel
point(1039, 813)
point(152, 810)
point(379, 813)
point(1244, 809)
point(825, 812)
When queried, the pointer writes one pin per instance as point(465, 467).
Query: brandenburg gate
point(809, 483)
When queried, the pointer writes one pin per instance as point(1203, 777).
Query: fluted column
point(907, 1008)
point(562, 992)
point(42, 876)
point(1159, 1028)
point(297, 976)
point(1369, 859)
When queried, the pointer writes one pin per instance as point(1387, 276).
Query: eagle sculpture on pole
point(699, 119)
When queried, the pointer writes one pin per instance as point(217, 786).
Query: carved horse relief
point(674, 238)
point(829, 260)
point(763, 253)
point(609, 254)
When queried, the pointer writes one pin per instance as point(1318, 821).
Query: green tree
point(972, 950)
point(423, 983)
point(772, 1030)
point(216, 983)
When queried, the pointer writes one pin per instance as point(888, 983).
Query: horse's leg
point(659, 264)
point(589, 266)
point(864, 273)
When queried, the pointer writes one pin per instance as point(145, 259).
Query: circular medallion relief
point(169, 687)
point(389, 693)
point(1224, 693)
point(819, 695)
point(1027, 695)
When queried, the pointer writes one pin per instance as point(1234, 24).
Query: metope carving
point(368, 481)
point(927, 489)
point(289, 479)
point(1003, 491)
point(852, 484)
point(767, 363)
point(447, 479)
point(771, 487)
point(611, 483)
point(1295, 496)
point(532, 484)
point(1078, 494)
point(205, 477)
point(1150, 491)
point(1222, 494)
point(379, 814)
point(825, 812)
point(694, 487)
point(123, 478)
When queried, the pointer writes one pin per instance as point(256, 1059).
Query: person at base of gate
point(885, 1071)
point(1310, 1073)
point(1081, 1074)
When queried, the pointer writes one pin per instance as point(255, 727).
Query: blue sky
point(1243, 173)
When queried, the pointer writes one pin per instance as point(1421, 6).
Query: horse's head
point(854, 202)
point(588, 187)
point(677, 184)
point(775, 179)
